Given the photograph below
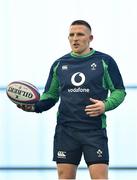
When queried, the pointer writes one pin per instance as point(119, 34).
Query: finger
point(93, 100)
point(92, 106)
point(23, 107)
point(93, 113)
point(18, 105)
point(29, 108)
point(88, 110)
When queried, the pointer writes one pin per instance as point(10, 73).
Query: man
point(82, 79)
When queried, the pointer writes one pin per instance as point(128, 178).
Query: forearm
point(115, 99)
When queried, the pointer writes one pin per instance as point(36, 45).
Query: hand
point(96, 108)
point(28, 108)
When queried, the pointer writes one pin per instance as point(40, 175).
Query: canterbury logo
point(61, 154)
point(78, 79)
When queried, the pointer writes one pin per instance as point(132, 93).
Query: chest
point(80, 73)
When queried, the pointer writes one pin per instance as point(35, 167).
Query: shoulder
point(65, 57)
point(103, 55)
point(61, 59)
point(106, 58)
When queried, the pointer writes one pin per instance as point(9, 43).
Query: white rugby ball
point(22, 92)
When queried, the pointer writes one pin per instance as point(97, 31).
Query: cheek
point(85, 42)
point(70, 41)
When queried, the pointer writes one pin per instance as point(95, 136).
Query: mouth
point(76, 45)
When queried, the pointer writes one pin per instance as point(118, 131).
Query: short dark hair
point(81, 22)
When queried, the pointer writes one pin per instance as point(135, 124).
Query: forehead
point(79, 28)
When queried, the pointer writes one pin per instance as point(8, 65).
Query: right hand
point(28, 108)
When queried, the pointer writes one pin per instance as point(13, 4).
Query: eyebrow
point(78, 33)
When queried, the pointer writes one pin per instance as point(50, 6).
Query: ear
point(91, 37)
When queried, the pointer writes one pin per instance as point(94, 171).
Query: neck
point(83, 55)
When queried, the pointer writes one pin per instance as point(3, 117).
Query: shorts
point(70, 144)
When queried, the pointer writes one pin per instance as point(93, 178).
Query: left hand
point(96, 108)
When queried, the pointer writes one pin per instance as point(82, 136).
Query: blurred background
point(33, 34)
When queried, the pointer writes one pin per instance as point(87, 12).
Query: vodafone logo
point(78, 79)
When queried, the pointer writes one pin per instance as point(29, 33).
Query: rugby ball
point(22, 92)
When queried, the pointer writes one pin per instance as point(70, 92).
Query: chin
point(76, 51)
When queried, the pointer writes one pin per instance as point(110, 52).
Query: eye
point(80, 34)
point(71, 34)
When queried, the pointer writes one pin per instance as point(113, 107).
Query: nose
point(75, 37)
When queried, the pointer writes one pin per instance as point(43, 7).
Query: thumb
point(93, 100)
